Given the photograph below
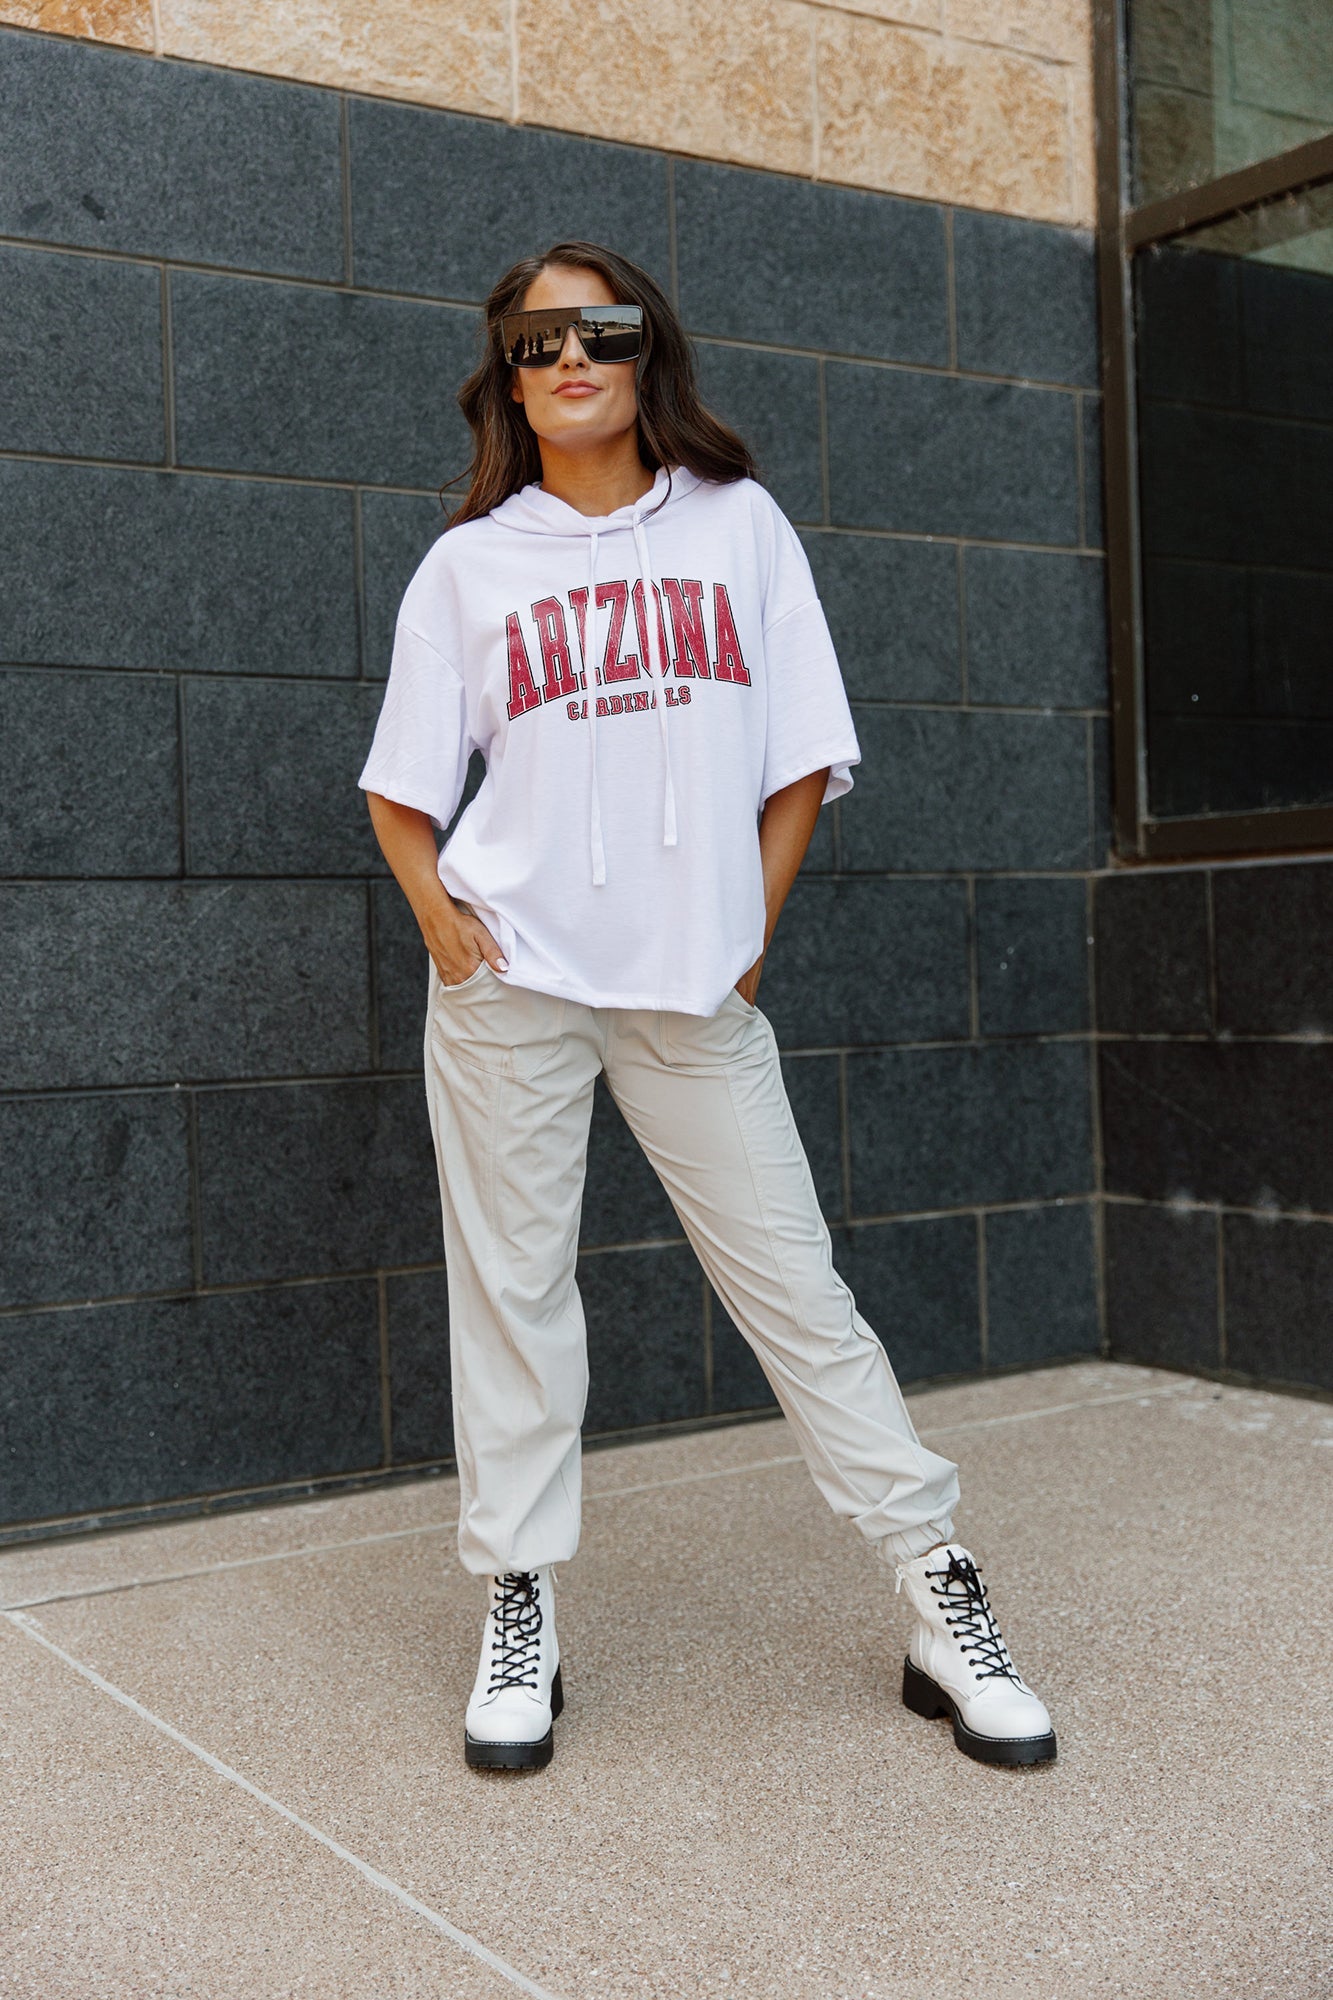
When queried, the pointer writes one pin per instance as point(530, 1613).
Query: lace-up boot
point(958, 1665)
point(517, 1694)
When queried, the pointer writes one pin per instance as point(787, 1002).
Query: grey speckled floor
point(231, 1764)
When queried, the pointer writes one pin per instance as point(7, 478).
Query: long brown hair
point(674, 426)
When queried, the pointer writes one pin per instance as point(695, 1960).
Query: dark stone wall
point(1215, 1012)
point(233, 313)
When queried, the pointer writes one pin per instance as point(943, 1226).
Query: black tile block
point(1036, 629)
point(945, 1128)
point(824, 267)
point(1026, 297)
point(89, 783)
point(942, 790)
point(773, 401)
point(299, 1179)
point(1187, 315)
point(1272, 932)
point(115, 152)
point(644, 1310)
point(892, 608)
point(402, 976)
point(916, 1284)
point(623, 1200)
point(96, 1197)
point(1287, 316)
point(205, 574)
point(868, 961)
point(443, 205)
point(1032, 956)
point(420, 1401)
point(80, 356)
point(272, 769)
point(1094, 500)
point(739, 1383)
point(328, 385)
point(1161, 1285)
point(1244, 1123)
point(1041, 1284)
point(1279, 1280)
point(115, 1405)
point(1151, 950)
point(938, 454)
point(1225, 487)
point(396, 531)
point(812, 1091)
point(158, 982)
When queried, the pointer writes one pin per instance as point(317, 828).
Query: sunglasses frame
point(515, 325)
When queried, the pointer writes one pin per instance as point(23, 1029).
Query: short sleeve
point(420, 750)
point(809, 719)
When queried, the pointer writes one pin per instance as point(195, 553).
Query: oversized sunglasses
point(537, 339)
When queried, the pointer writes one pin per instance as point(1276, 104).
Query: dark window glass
point(1234, 325)
point(1220, 84)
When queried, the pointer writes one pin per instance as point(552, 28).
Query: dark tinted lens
point(533, 343)
point(613, 335)
point(535, 340)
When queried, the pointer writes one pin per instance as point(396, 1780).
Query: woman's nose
point(572, 353)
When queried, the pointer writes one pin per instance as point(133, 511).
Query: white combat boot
point(958, 1664)
point(517, 1694)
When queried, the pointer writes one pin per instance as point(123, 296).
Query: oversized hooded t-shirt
point(638, 684)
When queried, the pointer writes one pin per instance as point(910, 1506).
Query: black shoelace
point(518, 1625)
point(969, 1616)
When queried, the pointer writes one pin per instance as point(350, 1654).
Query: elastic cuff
point(913, 1542)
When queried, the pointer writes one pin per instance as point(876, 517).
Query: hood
point(531, 511)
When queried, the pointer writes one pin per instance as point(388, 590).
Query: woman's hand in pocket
point(458, 941)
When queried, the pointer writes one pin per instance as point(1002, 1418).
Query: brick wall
point(233, 312)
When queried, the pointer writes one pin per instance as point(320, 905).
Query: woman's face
point(577, 405)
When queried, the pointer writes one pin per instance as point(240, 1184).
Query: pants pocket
point(492, 1026)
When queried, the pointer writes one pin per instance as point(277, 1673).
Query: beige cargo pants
point(509, 1081)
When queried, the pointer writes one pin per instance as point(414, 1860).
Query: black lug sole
point(926, 1697)
point(517, 1756)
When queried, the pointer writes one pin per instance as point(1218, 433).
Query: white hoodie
point(612, 848)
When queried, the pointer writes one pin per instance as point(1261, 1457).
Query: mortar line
point(609, 1493)
point(377, 1879)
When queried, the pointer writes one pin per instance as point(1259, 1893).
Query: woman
point(625, 624)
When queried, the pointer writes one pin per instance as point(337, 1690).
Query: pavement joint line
point(466, 1942)
point(610, 1493)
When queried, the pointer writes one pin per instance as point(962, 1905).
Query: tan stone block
point(730, 83)
point(454, 53)
point(126, 22)
point(908, 13)
point(1082, 145)
point(950, 121)
point(1060, 29)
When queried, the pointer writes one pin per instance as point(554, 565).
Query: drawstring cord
point(590, 678)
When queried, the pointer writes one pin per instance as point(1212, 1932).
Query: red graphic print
point(730, 666)
point(523, 693)
point(685, 602)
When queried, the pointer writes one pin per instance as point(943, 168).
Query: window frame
point(1121, 231)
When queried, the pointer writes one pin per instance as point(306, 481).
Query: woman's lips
point(577, 389)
